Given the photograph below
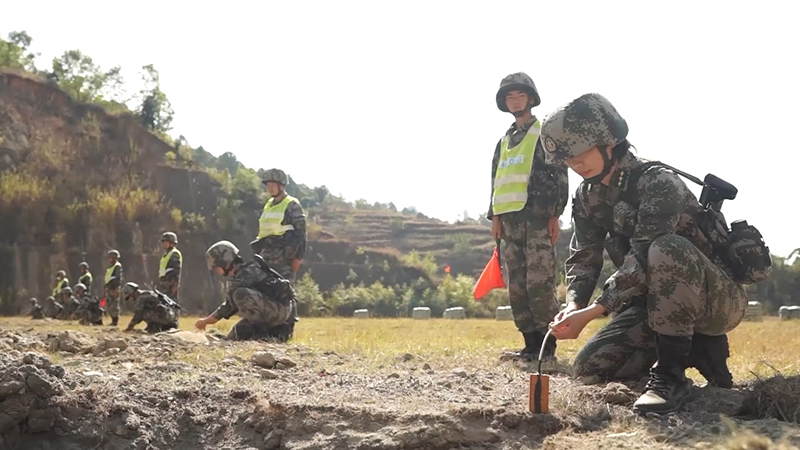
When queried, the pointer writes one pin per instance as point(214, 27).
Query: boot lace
point(660, 383)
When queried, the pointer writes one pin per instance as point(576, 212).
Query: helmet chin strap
point(608, 163)
point(524, 110)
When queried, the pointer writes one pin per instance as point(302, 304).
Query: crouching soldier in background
point(263, 298)
point(90, 312)
point(36, 309)
point(158, 311)
point(69, 304)
point(51, 308)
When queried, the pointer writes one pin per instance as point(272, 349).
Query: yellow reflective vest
point(269, 224)
point(110, 272)
point(514, 172)
point(162, 266)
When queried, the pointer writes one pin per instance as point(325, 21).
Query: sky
point(394, 101)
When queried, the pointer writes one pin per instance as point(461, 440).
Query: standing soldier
point(281, 237)
point(528, 196)
point(86, 277)
point(678, 287)
point(159, 312)
point(112, 282)
point(61, 283)
point(169, 268)
point(36, 310)
point(263, 298)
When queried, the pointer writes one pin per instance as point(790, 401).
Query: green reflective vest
point(514, 172)
point(269, 224)
point(86, 279)
point(110, 272)
point(162, 266)
point(62, 284)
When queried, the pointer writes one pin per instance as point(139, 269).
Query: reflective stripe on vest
point(514, 172)
point(162, 266)
point(269, 224)
point(110, 271)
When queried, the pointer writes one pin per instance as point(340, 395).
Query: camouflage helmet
point(129, 289)
point(222, 254)
point(516, 81)
point(113, 253)
point(34, 300)
point(61, 274)
point(169, 236)
point(83, 265)
point(586, 122)
point(276, 175)
point(65, 290)
point(50, 299)
point(80, 287)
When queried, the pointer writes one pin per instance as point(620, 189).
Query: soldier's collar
point(525, 127)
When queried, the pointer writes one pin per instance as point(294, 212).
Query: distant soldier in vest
point(61, 282)
point(86, 276)
point(69, 304)
point(89, 312)
point(112, 282)
point(169, 268)
point(37, 312)
point(51, 308)
point(263, 298)
point(528, 196)
point(156, 310)
point(281, 237)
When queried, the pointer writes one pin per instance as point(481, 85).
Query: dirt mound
point(777, 397)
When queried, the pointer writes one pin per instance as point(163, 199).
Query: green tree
point(14, 51)
point(155, 110)
point(77, 75)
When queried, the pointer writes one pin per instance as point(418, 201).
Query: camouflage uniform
point(671, 282)
point(52, 308)
point(36, 310)
point(155, 311)
point(90, 312)
point(113, 283)
point(528, 253)
point(279, 251)
point(169, 276)
point(69, 305)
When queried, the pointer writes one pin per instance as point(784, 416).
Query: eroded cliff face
point(77, 181)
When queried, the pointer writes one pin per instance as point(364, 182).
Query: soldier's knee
point(669, 248)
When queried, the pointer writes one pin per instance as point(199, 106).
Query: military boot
point(668, 386)
point(113, 321)
point(709, 356)
point(533, 343)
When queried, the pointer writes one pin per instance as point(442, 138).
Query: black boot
point(533, 343)
point(113, 321)
point(709, 355)
point(668, 386)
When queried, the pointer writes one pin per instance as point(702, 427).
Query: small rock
point(327, 430)
point(268, 374)
point(486, 387)
point(394, 375)
point(36, 360)
point(109, 352)
point(373, 427)
point(40, 386)
point(263, 359)
point(229, 362)
point(459, 372)
point(426, 366)
point(405, 357)
point(287, 362)
point(280, 366)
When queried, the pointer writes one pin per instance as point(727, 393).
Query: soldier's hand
point(295, 265)
point(497, 227)
point(571, 306)
point(200, 324)
point(553, 229)
point(573, 322)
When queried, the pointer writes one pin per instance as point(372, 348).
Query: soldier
point(69, 304)
point(61, 282)
point(86, 276)
point(528, 196)
point(89, 312)
point(673, 293)
point(169, 269)
point(258, 294)
point(281, 239)
point(158, 311)
point(112, 282)
point(36, 309)
point(52, 308)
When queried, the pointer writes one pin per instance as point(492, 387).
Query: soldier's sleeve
point(560, 173)
point(174, 263)
point(226, 309)
point(495, 160)
point(138, 313)
point(297, 218)
point(585, 261)
point(661, 203)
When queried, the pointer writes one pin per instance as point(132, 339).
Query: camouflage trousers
point(112, 303)
point(160, 317)
point(687, 294)
point(275, 256)
point(170, 288)
point(52, 310)
point(259, 313)
point(531, 264)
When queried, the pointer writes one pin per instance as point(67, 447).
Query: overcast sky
point(394, 101)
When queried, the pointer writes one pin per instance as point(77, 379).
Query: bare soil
point(110, 390)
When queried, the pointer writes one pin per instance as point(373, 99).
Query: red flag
point(103, 302)
point(447, 269)
point(491, 278)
